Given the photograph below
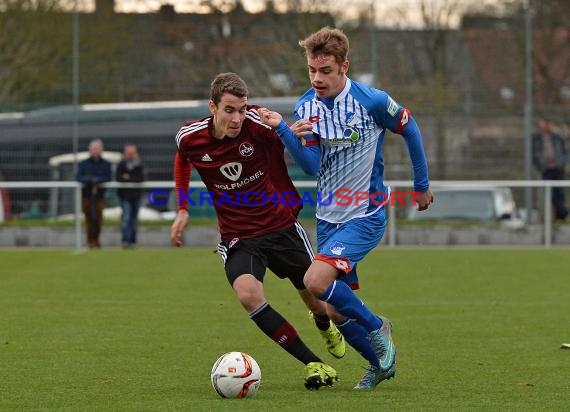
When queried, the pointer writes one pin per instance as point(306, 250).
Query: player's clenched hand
point(178, 227)
point(424, 199)
point(268, 117)
point(302, 128)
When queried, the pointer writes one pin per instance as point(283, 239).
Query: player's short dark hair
point(227, 83)
point(327, 41)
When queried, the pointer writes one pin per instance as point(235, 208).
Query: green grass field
point(139, 330)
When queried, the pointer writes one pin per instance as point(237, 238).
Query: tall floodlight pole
point(528, 112)
point(75, 87)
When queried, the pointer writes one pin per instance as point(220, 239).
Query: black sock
point(322, 321)
point(282, 332)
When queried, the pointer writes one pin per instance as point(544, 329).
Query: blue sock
point(357, 337)
point(345, 301)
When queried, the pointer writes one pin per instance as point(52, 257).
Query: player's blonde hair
point(227, 83)
point(327, 41)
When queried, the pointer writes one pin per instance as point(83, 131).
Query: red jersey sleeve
point(182, 173)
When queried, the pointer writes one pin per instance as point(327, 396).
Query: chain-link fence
point(142, 74)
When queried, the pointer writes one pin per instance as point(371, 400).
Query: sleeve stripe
point(187, 130)
point(249, 116)
point(254, 114)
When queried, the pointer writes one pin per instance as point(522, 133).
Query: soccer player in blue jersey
point(342, 123)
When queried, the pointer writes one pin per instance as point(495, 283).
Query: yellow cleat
point(319, 374)
point(333, 338)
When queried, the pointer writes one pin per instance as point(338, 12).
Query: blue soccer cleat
point(381, 340)
point(373, 376)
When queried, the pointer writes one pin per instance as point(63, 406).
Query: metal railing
point(546, 185)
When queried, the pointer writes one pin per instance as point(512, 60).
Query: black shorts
point(288, 254)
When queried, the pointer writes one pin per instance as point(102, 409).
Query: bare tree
point(552, 52)
point(433, 56)
point(30, 46)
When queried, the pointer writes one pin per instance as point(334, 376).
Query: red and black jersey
point(246, 176)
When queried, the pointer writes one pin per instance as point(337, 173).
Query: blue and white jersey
point(350, 130)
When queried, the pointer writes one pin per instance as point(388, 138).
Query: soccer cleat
point(381, 340)
point(373, 376)
point(319, 374)
point(333, 338)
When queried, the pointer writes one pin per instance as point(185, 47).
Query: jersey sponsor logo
point(231, 170)
point(337, 248)
point(242, 182)
point(206, 158)
point(351, 134)
point(245, 149)
point(393, 107)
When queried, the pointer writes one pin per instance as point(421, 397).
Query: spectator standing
point(549, 157)
point(92, 172)
point(130, 170)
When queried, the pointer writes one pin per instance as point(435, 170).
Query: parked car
point(477, 204)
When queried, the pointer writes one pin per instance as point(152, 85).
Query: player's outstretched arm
point(182, 172)
point(414, 141)
point(308, 157)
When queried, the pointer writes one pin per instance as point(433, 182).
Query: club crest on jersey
point(231, 170)
point(246, 149)
point(350, 133)
point(337, 248)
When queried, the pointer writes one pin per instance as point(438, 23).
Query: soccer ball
point(236, 375)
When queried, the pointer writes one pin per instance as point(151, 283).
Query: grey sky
point(388, 12)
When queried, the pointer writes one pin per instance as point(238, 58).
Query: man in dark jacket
point(92, 172)
point(549, 157)
point(130, 170)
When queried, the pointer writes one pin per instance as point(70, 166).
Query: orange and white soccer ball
point(236, 375)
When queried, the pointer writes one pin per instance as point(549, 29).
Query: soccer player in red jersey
point(241, 162)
